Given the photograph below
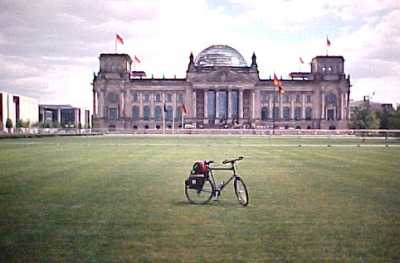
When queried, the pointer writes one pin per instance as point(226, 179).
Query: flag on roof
point(276, 81)
point(280, 87)
point(119, 39)
point(301, 60)
point(328, 42)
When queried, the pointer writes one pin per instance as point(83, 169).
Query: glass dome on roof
point(220, 55)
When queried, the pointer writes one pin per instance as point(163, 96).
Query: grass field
point(121, 199)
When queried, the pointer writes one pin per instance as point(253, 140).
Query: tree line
point(367, 118)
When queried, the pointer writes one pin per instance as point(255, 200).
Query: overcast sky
point(49, 49)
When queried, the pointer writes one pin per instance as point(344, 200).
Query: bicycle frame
point(220, 187)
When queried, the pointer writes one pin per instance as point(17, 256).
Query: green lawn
point(102, 199)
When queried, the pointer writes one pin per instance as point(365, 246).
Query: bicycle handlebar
point(232, 160)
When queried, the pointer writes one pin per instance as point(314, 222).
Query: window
point(135, 113)
point(276, 113)
point(308, 113)
point(264, 113)
point(286, 98)
point(178, 113)
point(330, 98)
point(169, 97)
point(211, 104)
point(158, 97)
point(297, 113)
point(286, 113)
point(298, 98)
point(169, 113)
point(234, 103)
point(146, 97)
point(331, 115)
point(135, 97)
point(180, 98)
point(112, 114)
point(308, 99)
point(264, 98)
point(146, 113)
point(113, 97)
point(157, 113)
point(222, 104)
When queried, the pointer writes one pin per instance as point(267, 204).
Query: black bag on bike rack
point(195, 182)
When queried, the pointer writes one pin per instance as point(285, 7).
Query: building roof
point(220, 55)
point(323, 57)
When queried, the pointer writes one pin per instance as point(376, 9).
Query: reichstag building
point(220, 90)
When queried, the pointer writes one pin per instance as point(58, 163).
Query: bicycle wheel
point(202, 196)
point(241, 192)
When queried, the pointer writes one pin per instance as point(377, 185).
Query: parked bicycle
point(200, 187)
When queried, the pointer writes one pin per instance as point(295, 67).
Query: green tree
point(394, 119)
point(364, 119)
point(9, 125)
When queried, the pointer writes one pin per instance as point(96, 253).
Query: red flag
point(276, 81)
point(119, 39)
point(280, 87)
point(136, 59)
point(301, 60)
point(183, 108)
point(328, 42)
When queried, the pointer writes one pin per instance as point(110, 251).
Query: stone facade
point(221, 91)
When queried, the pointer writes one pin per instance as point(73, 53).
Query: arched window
point(308, 113)
point(168, 114)
point(146, 113)
point(264, 113)
point(158, 113)
point(135, 113)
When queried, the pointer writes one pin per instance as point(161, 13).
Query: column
point(122, 103)
point(100, 105)
point(229, 104)
point(292, 108)
point(59, 115)
point(253, 104)
point(94, 102)
point(141, 105)
point(194, 105)
point(280, 107)
point(152, 106)
point(205, 105)
point(216, 104)
point(270, 105)
point(303, 106)
point(257, 105)
point(323, 106)
point(240, 104)
point(342, 106)
point(173, 109)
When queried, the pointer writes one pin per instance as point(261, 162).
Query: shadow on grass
point(220, 203)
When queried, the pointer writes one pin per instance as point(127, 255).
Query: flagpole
point(115, 45)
